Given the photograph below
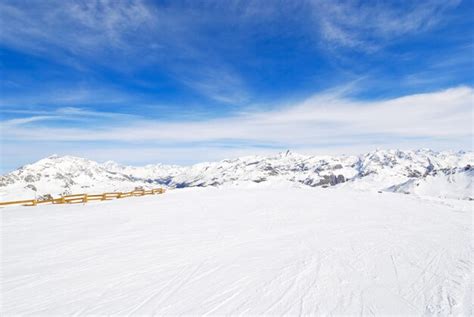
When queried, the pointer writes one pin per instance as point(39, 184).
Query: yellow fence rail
point(84, 198)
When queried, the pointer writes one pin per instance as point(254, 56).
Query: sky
point(179, 82)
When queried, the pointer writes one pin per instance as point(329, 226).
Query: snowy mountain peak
point(286, 153)
point(379, 170)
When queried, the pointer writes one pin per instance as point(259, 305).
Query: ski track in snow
point(214, 251)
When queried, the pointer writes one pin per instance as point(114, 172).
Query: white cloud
point(322, 119)
point(218, 83)
point(76, 27)
point(62, 114)
point(63, 96)
point(369, 26)
point(20, 121)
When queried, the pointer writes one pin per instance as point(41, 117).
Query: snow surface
point(243, 249)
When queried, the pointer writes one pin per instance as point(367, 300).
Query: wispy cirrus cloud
point(61, 115)
point(81, 28)
point(370, 26)
point(25, 120)
point(111, 33)
point(63, 96)
point(218, 84)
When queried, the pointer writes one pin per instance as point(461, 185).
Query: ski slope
point(257, 249)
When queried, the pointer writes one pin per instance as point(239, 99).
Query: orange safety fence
point(84, 198)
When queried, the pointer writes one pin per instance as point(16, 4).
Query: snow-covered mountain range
point(421, 172)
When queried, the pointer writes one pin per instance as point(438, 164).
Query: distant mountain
point(422, 172)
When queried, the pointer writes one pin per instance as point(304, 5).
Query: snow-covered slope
point(265, 250)
point(423, 172)
point(453, 183)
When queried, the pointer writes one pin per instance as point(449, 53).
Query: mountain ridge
point(412, 171)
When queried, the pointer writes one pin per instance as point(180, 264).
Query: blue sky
point(185, 81)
